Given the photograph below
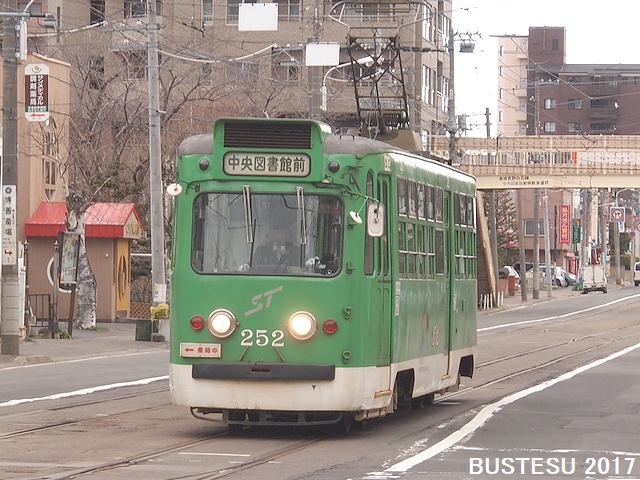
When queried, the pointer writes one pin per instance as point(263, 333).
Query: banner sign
point(565, 236)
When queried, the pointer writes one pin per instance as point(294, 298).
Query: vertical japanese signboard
point(9, 225)
point(36, 92)
point(565, 228)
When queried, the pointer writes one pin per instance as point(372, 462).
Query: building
point(540, 94)
point(210, 68)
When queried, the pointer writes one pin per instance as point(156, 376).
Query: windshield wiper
point(302, 220)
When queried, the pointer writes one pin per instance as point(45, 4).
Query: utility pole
point(11, 312)
point(536, 244)
point(10, 309)
point(493, 224)
point(452, 126)
point(314, 72)
point(547, 242)
point(521, 239)
point(155, 160)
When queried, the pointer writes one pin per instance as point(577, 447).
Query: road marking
point(216, 454)
point(555, 317)
point(488, 411)
point(85, 391)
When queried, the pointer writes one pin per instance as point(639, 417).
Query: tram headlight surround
point(302, 325)
point(222, 323)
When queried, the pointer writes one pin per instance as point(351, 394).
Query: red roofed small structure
point(103, 220)
point(110, 228)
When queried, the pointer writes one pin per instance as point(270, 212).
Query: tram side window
point(402, 250)
point(462, 205)
point(411, 195)
point(411, 251)
point(471, 211)
point(430, 199)
point(440, 252)
point(422, 253)
point(402, 196)
point(439, 207)
point(421, 200)
point(431, 253)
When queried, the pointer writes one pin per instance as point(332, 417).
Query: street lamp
point(367, 61)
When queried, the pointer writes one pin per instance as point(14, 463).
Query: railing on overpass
point(552, 161)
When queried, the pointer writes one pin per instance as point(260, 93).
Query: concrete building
point(540, 94)
point(222, 70)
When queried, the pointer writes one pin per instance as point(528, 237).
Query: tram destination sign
point(270, 165)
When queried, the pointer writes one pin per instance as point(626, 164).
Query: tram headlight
point(222, 323)
point(302, 325)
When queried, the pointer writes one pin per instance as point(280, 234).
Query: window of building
point(427, 23)
point(242, 70)
point(529, 227)
point(502, 50)
point(555, 45)
point(286, 64)
point(289, 10)
point(501, 70)
point(96, 73)
point(550, 127)
point(96, 14)
point(574, 127)
point(233, 10)
point(501, 116)
point(575, 104)
point(502, 93)
point(603, 127)
point(207, 12)
point(134, 63)
point(549, 103)
point(50, 178)
point(134, 8)
point(35, 8)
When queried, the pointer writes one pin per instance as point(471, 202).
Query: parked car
point(558, 278)
point(636, 274)
point(508, 271)
point(528, 266)
point(571, 278)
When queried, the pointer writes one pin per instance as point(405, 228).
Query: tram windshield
point(267, 234)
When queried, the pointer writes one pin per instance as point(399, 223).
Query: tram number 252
point(261, 338)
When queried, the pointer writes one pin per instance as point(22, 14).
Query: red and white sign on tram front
point(36, 92)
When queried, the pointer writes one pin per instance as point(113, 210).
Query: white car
point(558, 278)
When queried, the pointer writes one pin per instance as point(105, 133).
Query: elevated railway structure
point(549, 161)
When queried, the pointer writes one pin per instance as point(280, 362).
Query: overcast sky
point(596, 32)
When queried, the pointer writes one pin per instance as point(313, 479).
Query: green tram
point(317, 278)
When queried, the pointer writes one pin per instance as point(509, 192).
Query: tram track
point(179, 447)
point(67, 423)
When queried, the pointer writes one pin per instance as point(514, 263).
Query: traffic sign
point(616, 213)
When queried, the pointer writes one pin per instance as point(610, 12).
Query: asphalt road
point(555, 395)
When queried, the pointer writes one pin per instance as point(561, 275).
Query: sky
point(596, 32)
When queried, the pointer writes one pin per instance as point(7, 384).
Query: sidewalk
point(557, 293)
point(106, 339)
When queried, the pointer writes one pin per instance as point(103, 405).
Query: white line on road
point(487, 412)
point(85, 391)
point(555, 317)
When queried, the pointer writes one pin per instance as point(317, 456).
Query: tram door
point(377, 251)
